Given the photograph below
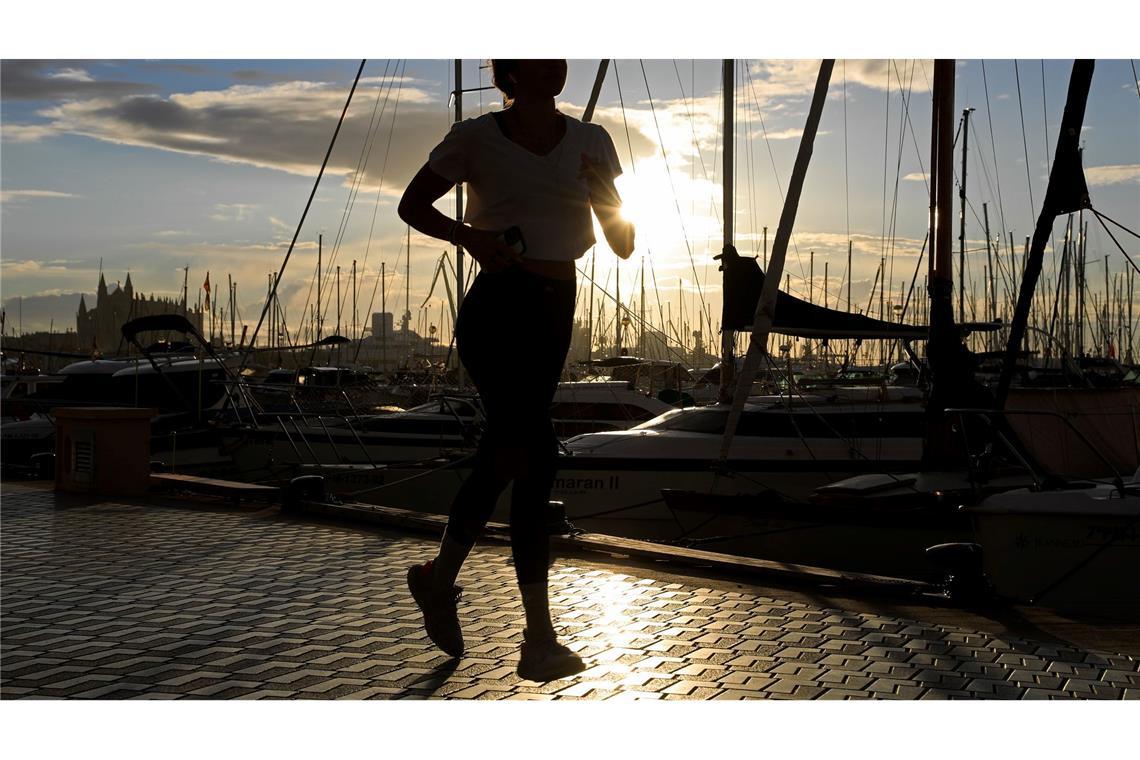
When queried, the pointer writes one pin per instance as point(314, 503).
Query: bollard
point(43, 465)
point(556, 523)
point(303, 488)
point(964, 580)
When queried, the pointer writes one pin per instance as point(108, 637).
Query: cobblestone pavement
point(169, 600)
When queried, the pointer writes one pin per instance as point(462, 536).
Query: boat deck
point(164, 598)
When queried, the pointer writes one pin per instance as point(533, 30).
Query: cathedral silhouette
point(99, 327)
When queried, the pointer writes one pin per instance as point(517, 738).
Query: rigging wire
point(693, 131)
point(358, 172)
point(904, 96)
point(300, 224)
point(993, 149)
point(340, 238)
point(1114, 240)
point(751, 184)
point(672, 187)
point(1024, 142)
point(379, 189)
point(312, 283)
point(846, 185)
point(846, 170)
point(384, 168)
point(886, 140)
point(772, 159)
point(1045, 110)
point(633, 316)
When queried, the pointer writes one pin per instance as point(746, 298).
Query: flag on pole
point(206, 287)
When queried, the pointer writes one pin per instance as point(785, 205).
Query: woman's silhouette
point(531, 170)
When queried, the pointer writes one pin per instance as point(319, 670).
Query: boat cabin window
point(575, 410)
point(779, 423)
point(448, 406)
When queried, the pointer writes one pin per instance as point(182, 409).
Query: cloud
point(32, 267)
point(1122, 174)
point(25, 133)
point(786, 134)
point(917, 177)
point(284, 126)
point(232, 212)
point(796, 78)
point(9, 196)
point(54, 80)
point(71, 75)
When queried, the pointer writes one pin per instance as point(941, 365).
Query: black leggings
point(513, 332)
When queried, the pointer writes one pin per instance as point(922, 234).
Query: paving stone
point(228, 604)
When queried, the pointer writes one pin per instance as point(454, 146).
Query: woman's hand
point(492, 253)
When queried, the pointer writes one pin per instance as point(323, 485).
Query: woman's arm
point(606, 203)
point(417, 205)
point(418, 210)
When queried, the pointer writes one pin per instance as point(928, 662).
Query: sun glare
point(645, 201)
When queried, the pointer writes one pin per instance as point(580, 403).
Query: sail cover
point(743, 280)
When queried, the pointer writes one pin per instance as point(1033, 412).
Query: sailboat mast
point(727, 361)
point(320, 243)
point(233, 330)
point(272, 313)
point(849, 276)
point(617, 309)
point(458, 212)
point(408, 286)
point(766, 306)
point(383, 319)
point(1067, 192)
point(941, 148)
point(590, 322)
point(962, 218)
point(641, 314)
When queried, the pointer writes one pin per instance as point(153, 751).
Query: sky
point(159, 136)
point(151, 166)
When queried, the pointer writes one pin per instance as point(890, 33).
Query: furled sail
point(744, 279)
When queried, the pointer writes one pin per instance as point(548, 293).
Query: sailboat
point(785, 446)
point(1062, 541)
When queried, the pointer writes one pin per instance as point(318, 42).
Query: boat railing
point(1004, 432)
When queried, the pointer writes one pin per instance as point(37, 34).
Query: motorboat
point(446, 423)
point(1072, 546)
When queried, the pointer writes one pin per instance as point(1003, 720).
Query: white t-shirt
point(507, 185)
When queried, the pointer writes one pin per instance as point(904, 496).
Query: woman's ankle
point(536, 606)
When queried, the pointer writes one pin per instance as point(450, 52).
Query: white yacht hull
point(1074, 548)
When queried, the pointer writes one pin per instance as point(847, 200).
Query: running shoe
point(441, 619)
point(547, 660)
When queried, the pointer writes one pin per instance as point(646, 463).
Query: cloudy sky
point(151, 166)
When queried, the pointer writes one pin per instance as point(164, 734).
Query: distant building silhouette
point(100, 327)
